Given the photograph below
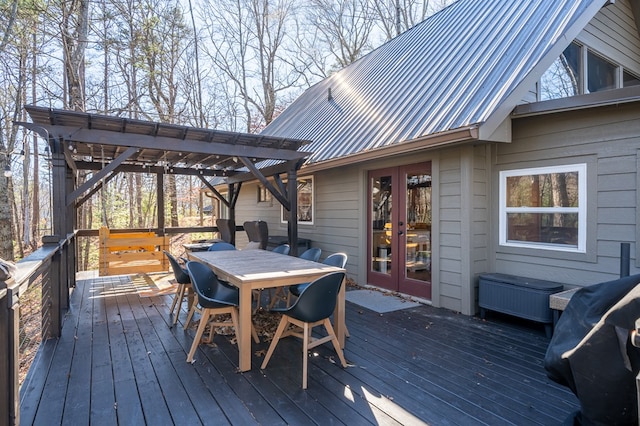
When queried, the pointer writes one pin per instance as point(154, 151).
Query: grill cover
point(591, 352)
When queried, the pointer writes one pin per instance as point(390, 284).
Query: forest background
point(225, 64)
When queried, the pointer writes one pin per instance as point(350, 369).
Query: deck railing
point(53, 268)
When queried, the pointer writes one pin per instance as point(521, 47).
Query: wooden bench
point(522, 297)
point(132, 252)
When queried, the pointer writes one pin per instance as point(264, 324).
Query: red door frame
point(397, 280)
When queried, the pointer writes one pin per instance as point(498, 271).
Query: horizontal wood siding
point(480, 227)
point(448, 256)
point(337, 209)
point(608, 140)
point(613, 32)
point(337, 224)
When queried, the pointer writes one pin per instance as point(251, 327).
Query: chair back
point(282, 249)
point(257, 231)
point(221, 246)
point(182, 276)
point(336, 259)
point(312, 254)
point(318, 300)
point(227, 230)
point(207, 286)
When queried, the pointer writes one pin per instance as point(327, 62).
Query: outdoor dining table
point(257, 269)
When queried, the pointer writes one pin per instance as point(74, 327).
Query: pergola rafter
point(110, 145)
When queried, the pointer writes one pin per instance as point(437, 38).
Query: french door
point(399, 242)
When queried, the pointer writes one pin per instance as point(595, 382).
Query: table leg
point(339, 315)
point(244, 334)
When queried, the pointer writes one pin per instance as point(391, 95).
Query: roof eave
point(574, 103)
point(432, 141)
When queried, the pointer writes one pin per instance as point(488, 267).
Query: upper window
point(562, 79)
point(544, 208)
point(305, 202)
point(601, 74)
point(580, 70)
point(264, 196)
point(630, 79)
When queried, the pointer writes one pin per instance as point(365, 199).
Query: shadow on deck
point(119, 362)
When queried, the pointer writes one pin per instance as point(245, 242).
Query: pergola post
point(292, 225)
point(160, 198)
point(58, 282)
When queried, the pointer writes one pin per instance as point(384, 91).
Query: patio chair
point(314, 306)
point(226, 229)
point(282, 249)
point(220, 246)
point(184, 281)
point(214, 298)
point(258, 232)
point(335, 259)
point(312, 254)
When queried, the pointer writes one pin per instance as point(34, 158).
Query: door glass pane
point(418, 235)
point(381, 199)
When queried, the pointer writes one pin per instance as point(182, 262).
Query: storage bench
point(522, 297)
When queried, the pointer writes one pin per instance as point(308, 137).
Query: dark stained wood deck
point(119, 362)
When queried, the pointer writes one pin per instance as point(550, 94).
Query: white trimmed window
point(544, 208)
point(306, 202)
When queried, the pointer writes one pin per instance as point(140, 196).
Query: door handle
point(400, 233)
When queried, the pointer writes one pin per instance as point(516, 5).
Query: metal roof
point(459, 68)
point(99, 139)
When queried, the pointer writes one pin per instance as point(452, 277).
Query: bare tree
point(247, 44)
point(74, 29)
point(346, 27)
point(396, 16)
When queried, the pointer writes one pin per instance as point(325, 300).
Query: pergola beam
point(101, 174)
point(105, 137)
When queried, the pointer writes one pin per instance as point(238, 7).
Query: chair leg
point(274, 342)
point(306, 332)
point(254, 334)
point(196, 340)
point(192, 310)
point(175, 298)
point(257, 295)
point(334, 340)
point(274, 298)
point(178, 298)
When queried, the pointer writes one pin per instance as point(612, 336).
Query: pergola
point(109, 145)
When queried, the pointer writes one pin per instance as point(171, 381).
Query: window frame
point(283, 217)
point(264, 195)
point(583, 72)
point(581, 210)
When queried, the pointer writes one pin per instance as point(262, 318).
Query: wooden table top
point(261, 268)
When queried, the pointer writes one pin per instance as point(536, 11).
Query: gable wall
point(607, 139)
point(613, 33)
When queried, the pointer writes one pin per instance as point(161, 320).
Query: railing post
point(52, 296)
point(9, 353)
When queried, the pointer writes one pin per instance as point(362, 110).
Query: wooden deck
point(119, 362)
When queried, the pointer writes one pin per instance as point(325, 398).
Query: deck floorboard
point(120, 361)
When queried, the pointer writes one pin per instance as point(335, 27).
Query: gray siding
point(608, 140)
point(480, 230)
point(336, 226)
point(613, 33)
point(448, 253)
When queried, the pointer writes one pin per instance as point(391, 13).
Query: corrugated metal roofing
point(451, 71)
